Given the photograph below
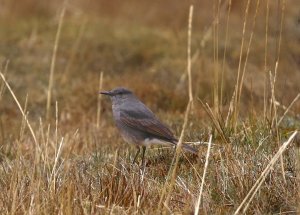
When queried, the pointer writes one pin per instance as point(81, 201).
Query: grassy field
point(60, 152)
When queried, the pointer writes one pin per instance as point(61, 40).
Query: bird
point(137, 124)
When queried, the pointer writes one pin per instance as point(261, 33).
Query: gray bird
point(138, 124)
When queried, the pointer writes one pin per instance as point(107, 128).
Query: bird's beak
point(108, 93)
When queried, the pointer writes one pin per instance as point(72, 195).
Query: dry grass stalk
point(2, 86)
point(23, 123)
point(185, 74)
point(280, 30)
point(216, 57)
point(265, 60)
point(247, 53)
point(189, 60)
point(208, 32)
point(274, 123)
point(115, 165)
point(56, 123)
point(217, 122)
point(203, 177)
point(230, 109)
point(22, 111)
point(173, 169)
point(236, 105)
point(53, 61)
point(73, 52)
point(297, 166)
point(54, 169)
point(224, 53)
point(274, 119)
point(263, 175)
point(99, 100)
point(288, 108)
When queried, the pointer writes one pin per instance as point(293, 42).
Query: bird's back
point(135, 115)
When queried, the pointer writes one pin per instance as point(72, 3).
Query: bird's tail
point(187, 147)
point(190, 149)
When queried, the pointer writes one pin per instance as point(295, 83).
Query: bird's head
point(117, 94)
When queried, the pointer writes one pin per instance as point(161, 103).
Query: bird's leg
point(143, 155)
point(137, 153)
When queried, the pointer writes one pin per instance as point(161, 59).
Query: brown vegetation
point(69, 164)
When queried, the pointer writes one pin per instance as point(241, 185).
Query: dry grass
point(241, 68)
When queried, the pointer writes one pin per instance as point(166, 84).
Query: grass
point(69, 159)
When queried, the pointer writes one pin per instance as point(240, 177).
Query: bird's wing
point(145, 120)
